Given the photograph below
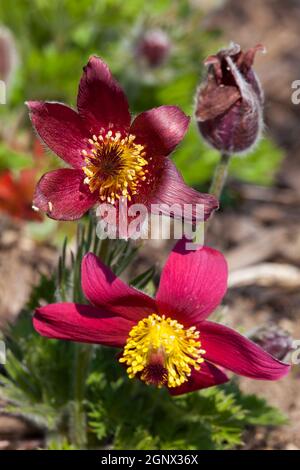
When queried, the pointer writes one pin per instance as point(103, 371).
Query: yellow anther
point(162, 350)
point(114, 166)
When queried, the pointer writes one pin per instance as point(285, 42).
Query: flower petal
point(101, 100)
point(61, 128)
point(208, 376)
point(160, 129)
point(82, 323)
point(174, 196)
point(63, 195)
point(105, 290)
point(192, 283)
point(227, 348)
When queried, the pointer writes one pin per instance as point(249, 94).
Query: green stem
point(219, 179)
point(104, 249)
point(82, 355)
point(220, 175)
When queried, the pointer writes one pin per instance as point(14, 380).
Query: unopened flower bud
point(273, 339)
point(229, 104)
point(153, 47)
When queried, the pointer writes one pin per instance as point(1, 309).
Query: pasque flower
point(229, 103)
point(111, 158)
point(166, 341)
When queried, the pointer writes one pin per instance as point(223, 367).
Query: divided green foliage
point(214, 418)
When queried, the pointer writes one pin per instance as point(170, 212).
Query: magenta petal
point(82, 323)
point(105, 290)
point(160, 129)
point(192, 283)
point(180, 198)
point(101, 100)
point(208, 376)
point(61, 128)
point(63, 195)
point(227, 348)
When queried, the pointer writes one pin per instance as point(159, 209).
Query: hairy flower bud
point(154, 47)
point(273, 339)
point(229, 104)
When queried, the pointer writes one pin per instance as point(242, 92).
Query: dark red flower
point(229, 106)
point(16, 195)
point(111, 158)
point(167, 340)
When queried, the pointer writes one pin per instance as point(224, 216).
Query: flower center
point(162, 352)
point(114, 166)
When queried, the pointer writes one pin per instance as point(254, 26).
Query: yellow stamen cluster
point(159, 337)
point(114, 166)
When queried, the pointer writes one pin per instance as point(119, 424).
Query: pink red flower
point(16, 195)
point(167, 340)
point(110, 157)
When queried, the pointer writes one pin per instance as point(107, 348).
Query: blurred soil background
point(258, 231)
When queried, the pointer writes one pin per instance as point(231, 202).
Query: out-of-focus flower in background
point(153, 47)
point(16, 193)
point(229, 103)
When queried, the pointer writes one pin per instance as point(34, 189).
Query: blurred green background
point(55, 39)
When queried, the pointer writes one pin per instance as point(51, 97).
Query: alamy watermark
point(2, 352)
point(295, 354)
point(296, 94)
point(142, 222)
point(2, 92)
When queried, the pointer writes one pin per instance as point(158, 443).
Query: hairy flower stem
point(104, 250)
point(82, 352)
point(219, 178)
point(220, 175)
point(82, 355)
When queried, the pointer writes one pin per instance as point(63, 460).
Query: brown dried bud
point(273, 339)
point(229, 104)
point(153, 47)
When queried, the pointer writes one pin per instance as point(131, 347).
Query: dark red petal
point(82, 323)
point(160, 129)
point(105, 290)
point(192, 283)
point(101, 100)
point(174, 193)
point(61, 128)
point(227, 348)
point(208, 376)
point(63, 195)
